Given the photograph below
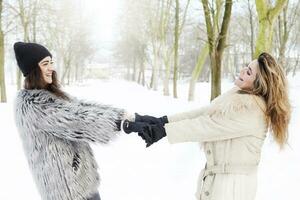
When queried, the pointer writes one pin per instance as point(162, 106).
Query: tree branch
point(209, 29)
point(261, 8)
point(225, 25)
point(274, 12)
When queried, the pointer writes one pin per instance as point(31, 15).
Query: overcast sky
point(104, 18)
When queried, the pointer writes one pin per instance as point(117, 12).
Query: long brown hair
point(271, 84)
point(34, 80)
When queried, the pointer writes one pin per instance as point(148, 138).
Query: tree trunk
point(216, 41)
point(128, 71)
point(156, 36)
point(170, 53)
point(76, 72)
point(26, 39)
point(66, 70)
point(141, 71)
point(236, 62)
point(34, 22)
point(251, 28)
point(24, 22)
point(295, 66)
point(141, 75)
point(264, 38)
point(266, 17)
point(68, 76)
point(2, 72)
point(285, 25)
point(283, 38)
point(19, 79)
point(167, 76)
point(215, 74)
point(197, 71)
point(176, 50)
point(133, 75)
point(154, 76)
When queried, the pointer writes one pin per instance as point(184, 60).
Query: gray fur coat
point(56, 135)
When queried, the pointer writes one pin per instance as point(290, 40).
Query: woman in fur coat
point(56, 129)
point(232, 130)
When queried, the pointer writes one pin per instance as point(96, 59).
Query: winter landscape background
point(136, 54)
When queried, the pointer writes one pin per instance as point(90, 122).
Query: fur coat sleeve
point(230, 116)
point(73, 120)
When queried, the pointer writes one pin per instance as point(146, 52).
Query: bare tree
point(169, 50)
point(176, 38)
point(286, 22)
point(156, 26)
point(250, 10)
point(197, 71)
point(216, 40)
point(267, 14)
point(131, 49)
point(68, 36)
point(26, 13)
point(2, 73)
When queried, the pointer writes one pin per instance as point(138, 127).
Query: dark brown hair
point(34, 80)
point(271, 84)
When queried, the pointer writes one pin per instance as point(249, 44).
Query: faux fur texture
point(55, 135)
point(234, 103)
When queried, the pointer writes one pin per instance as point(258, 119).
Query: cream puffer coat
point(231, 131)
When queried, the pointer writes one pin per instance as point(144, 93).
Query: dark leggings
point(95, 197)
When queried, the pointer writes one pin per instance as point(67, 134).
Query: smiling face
point(46, 66)
point(247, 76)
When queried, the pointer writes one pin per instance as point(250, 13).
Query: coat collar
point(233, 101)
point(36, 96)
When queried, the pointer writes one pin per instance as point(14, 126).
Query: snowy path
point(129, 171)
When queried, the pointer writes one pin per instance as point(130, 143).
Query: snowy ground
point(129, 171)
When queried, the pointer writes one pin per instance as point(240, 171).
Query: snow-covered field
point(129, 171)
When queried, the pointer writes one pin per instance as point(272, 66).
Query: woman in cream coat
point(232, 130)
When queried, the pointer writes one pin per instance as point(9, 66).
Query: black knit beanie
point(28, 55)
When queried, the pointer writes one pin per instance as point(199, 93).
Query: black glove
point(130, 127)
point(150, 119)
point(140, 127)
point(155, 132)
